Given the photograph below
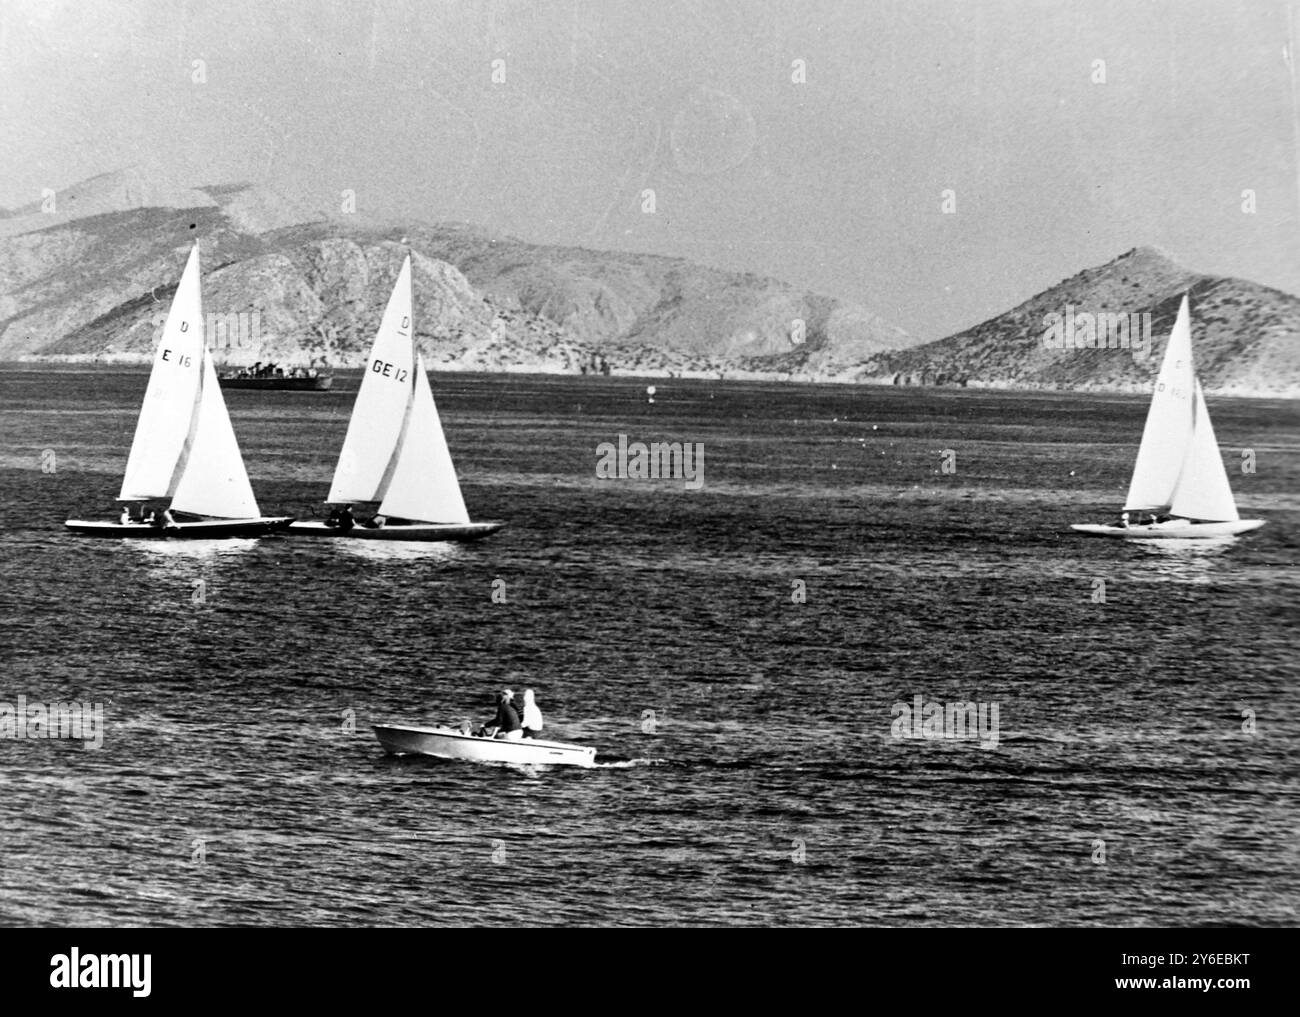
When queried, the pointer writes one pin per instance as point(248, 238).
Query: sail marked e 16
point(184, 451)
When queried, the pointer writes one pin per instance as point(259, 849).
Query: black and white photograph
point(695, 464)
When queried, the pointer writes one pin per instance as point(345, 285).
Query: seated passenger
point(505, 725)
point(532, 719)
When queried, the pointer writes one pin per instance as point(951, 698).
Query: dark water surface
point(765, 787)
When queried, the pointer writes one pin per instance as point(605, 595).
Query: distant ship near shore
point(276, 378)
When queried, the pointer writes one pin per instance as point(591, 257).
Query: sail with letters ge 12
point(395, 469)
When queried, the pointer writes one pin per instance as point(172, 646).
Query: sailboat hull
point(203, 529)
point(412, 531)
point(1177, 529)
point(448, 744)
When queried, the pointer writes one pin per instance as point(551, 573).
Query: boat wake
point(625, 764)
point(200, 549)
point(537, 769)
point(392, 550)
point(1191, 561)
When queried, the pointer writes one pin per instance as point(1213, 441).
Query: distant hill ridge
point(1246, 337)
point(89, 278)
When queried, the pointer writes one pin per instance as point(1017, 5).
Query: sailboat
point(184, 447)
point(395, 455)
point(1179, 472)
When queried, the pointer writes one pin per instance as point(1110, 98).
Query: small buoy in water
point(650, 393)
point(1072, 473)
point(873, 427)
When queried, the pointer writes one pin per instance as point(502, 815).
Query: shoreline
point(139, 364)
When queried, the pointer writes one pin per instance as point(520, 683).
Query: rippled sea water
point(748, 771)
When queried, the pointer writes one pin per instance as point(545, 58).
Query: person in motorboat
point(505, 724)
point(532, 718)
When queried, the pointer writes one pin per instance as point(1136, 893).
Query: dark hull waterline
point(399, 531)
point(202, 529)
point(1178, 530)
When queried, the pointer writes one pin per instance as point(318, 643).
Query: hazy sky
point(834, 183)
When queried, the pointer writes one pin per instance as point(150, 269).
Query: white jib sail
point(381, 405)
point(1168, 428)
point(1203, 491)
point(169, 398)
point(423, 485)
point(213, 479)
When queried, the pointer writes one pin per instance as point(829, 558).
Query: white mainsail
point(1168, 431)
point(170, 397)
point(383, 400)
point(1203, 492)
point(423, 485)
point(213, 480)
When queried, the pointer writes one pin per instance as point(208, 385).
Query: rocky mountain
point(90, 279)
point(87, 274)
point(1246, 337)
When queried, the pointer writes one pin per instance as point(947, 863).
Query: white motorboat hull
point(1177, 529)
point(445, 743)
point(200, 529)
point(401, 531)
